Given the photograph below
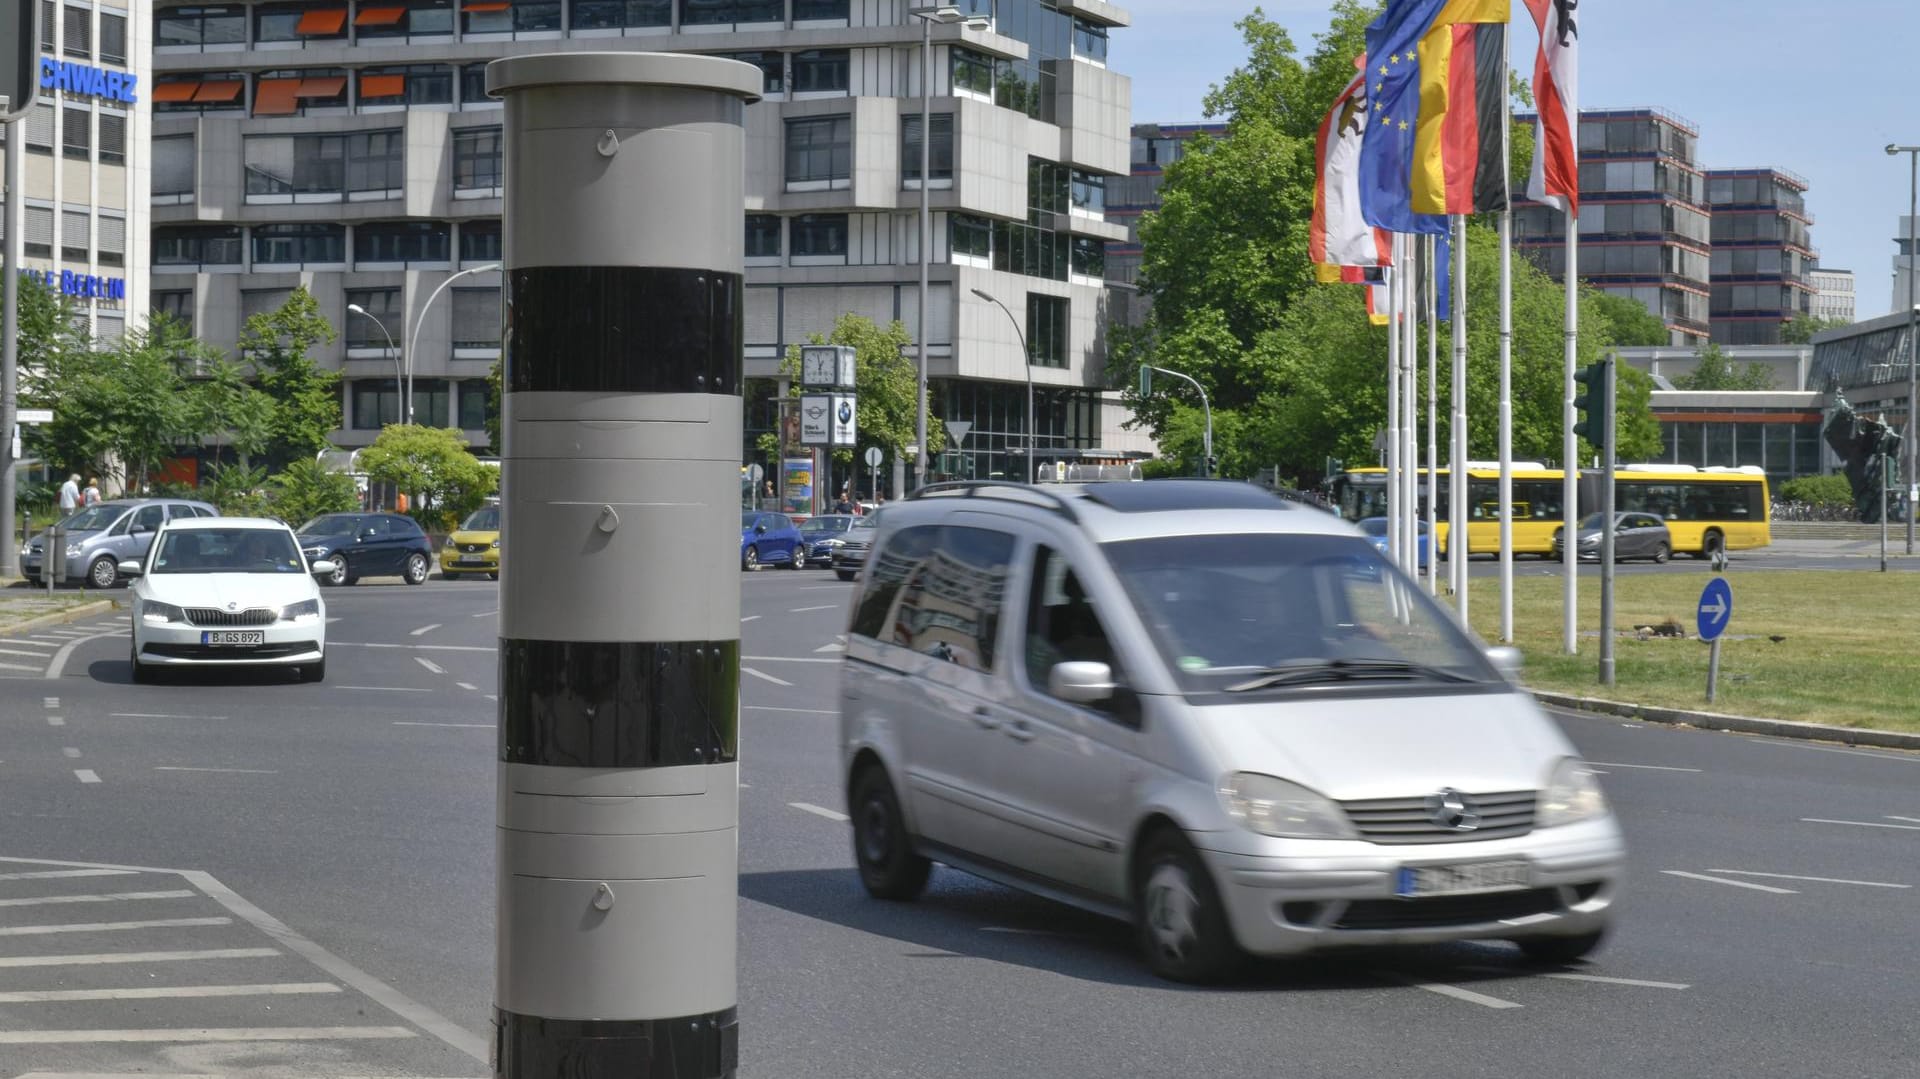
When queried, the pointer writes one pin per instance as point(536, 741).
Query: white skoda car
point(227, 592)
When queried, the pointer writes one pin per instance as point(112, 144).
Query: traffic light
point(1594, 402)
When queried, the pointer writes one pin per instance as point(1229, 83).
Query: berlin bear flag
point(1339, 240)
point(1555, 179)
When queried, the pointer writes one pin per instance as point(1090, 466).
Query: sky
point(1767, 82)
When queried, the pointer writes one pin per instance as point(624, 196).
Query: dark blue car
point(770, 539)
point(823, 535)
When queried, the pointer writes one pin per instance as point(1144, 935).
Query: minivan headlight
point(75, 550)
point(1572, 794)
point(1278, 808)
point(306, 608)
point(155, 613)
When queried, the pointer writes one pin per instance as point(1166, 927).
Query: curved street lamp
point(356, 309)
point(1912, 430)
point(1027, 362)
point(413, 338)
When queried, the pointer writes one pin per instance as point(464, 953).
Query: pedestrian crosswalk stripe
point(109, 927)
point(202, 1034)
point(49, 874)
point(102, 958)
point(109, 897)
point(162, 992)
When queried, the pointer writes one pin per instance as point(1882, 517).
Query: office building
point(1130, 198)
point(1761, 254)
point(1644, 219)
point(84, 172)
point(1776, 429)
point(348, 145)
point(1833, 299)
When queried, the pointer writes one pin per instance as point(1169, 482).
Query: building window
point(969, 235)
point(510, 16)
point(200, 93)
point(48, 16)
point(480, 241)
point(1047, 330)
point(298, 22)
point(477, 159)
point(198, 27)
point(407, 84)
point(79, 33)
point(621, 14)
point(376, 403)
point(820, 150)
point(476, 399)
point(418, 18)
point(76, 139)
point(1089, 257)
point(763, 236)
point(110, 242)
point(38, 235)
point(113, 138)
point(113, 38)
point(40, 129)
point(820, 235)
point(294, 245)
point(972, 71)
point(721, 12)
point(476, 318)
point(1089, 192)
point(196, 245)
point(376, 161)
point(176, 306)
point(941, 152)
point(1089, 40)
point(1047, 187)
point(401, 241)
point(359, 331)
point(821, 10)
point(286, 167)
point(772, 65)
point(820, 71)
point(473, 85)
point(76, 227)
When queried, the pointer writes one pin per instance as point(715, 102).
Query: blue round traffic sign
point(1716, 608)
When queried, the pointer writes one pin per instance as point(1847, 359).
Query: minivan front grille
point(213, 616)
point(1410, 820)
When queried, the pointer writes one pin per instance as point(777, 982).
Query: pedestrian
point(843, 506)
point(93, 491)
point(70, 495)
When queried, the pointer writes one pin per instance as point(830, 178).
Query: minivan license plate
point(1426, 880)
point(233, 636)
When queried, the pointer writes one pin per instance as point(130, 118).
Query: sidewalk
point(22, 608)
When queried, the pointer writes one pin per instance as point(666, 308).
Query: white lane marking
point(1647, 767)
point(18, 667)
point(49, 874)
point(243, 771)
point(22, 652)
point(1735, 883)
point(1618, 981)
point(802, 711)
point(1818, 880)
point(100, 958)
point(831, 648)
point(1848, 752)
point(70, 751)
point(484, 614)
point(468, 686)
point(415, 647)
point(749, 618)
point(51, 702)
point(157, 715)
point(1915, 820)
point(822, 607)
point(109, 927)
point(385, 689)
point(107, 897)
point(410, 723)
point(787, 659)
point(428, 664)
point(59, 662)
point(86, 775)
point(165, 992)
point(1863, 823)
point(385, 995)
point(819, 811)
point(202, 1034)
point(765, 677)
point(56, 721)
point(424, 630)
point(1026, 932)
point(1446, 990)
point(490, 696)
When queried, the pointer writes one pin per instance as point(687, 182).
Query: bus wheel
point(1713, 545)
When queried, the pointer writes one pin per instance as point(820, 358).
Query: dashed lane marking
point(468, 686)
point(101, 958)
point(484, 614)
point(106, 897)
point(385, 689)
point(1734, 883)
point(787, 659)
point(429, 664)
point(51, 874)
point(110, 927)
point(1863, 824)
point(201, 1035)
point(51, 702)
point(802, 711)
point(71, 752)
point(749, 618)
point(1645, 767)
point(831, 648)
point(86, 775)
point(424, 630)
point(1817, 880)
point(415, 647)
point(243, 771)
point(416, 723)
point(169, 992)
point(56, 721)
point(819, 811)
point(765, 677)
point(158, 715)
point(1446, 990)
point(822, 607)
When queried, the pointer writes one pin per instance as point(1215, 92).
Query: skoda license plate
point(233, 636)
point(1424, 880)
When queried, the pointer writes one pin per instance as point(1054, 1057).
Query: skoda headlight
point(1278, 808)
point(1572, 794)
point(155, 613)
point(294, 612)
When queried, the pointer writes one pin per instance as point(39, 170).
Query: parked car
point(770, 539)
point(823, 534)
point(368, 545)
point(852, 552)
point(227, 592)
point(1222, 718)
point(474, 548)
point(1635, 535)
point(1375, 529)
point(99, 538)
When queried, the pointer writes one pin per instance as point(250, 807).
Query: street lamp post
point(945, 14)
point(1206, 447)
point(363, 313)
point(413, 339)
point(1026, 360)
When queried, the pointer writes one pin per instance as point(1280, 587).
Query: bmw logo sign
point(846, 412)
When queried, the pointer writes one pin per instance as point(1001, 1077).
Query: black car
point(368, 545)
point(823, 534)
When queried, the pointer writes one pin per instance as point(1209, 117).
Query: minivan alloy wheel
point(103, 573)
point(1171, 910)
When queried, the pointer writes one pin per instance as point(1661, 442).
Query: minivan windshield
point(94, 518)
point(1243, 612)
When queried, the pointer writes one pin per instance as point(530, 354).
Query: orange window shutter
point(327, 87)
point(321, 22)
point(221, 90)
point(379, 16)
point(176, 91)
point(382, 85)
point(486, 5)
point(276, 97)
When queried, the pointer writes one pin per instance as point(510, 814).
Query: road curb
point(71, 614)
point(1719, 721)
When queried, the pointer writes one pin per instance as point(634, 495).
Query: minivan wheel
point(1557, 951)
point(103, 573)
point(882, 849)
point(417, 568)
point(1178, 914)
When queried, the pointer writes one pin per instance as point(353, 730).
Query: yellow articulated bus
point(1705, 509)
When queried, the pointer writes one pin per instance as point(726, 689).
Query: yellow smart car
point(474, 548)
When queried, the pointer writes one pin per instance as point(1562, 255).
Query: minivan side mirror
point(131, 568)
point(1081, 681)
point(1507, 660)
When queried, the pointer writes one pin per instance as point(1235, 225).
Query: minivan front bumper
point(1286, 904)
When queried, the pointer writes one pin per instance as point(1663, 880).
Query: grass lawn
point(1850, 653)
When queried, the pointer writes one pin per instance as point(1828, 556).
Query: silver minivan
point(100, 537)
point(1214, 714)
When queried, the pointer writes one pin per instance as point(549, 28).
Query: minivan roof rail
point(1011, 492)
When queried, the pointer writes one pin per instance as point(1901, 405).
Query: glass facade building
point(1762, 254)
point(1130, 198)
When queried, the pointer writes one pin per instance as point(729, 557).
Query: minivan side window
point(1062, 625)
point(939, 591)
point(148, 518)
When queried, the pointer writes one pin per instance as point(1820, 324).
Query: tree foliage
point(233, 410)
point(1818, 491)
point(304, 490)
point(434, 466)
point(306, 396)
point(1800, 331)
point(1631, 323)
point(1717, 371)
point(886, 381)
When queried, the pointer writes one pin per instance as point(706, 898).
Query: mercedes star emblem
point(1453, 810)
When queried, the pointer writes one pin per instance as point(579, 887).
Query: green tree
point(231, 409)
point(434, 466)
point(496, 386)
point(134, 397)
point(1717, 371)
point(1629, 323)
point(886, 381)
point(238, 490)
point(1800, 331)
point(306, 396)
point(55, 356)
point(1818, 491)
point(304, 490)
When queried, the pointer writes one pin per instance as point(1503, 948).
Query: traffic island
point(22, 612)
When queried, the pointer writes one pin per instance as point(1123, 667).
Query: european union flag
point(1386, 150)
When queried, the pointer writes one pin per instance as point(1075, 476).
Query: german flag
point(1460, 150)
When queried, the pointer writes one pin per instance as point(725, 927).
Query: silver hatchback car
point(1223, 718)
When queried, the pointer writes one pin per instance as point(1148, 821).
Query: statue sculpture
point(1865, 446)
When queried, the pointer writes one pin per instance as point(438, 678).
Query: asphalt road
point(305, 887)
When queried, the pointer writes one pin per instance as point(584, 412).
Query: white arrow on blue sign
point(1716, 608)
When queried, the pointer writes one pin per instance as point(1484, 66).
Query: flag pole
point(1410, 411)
point(1433, 412)
point(1506, 356)
point(1393, 403)
point(1570, 451)
point(1459, 542)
